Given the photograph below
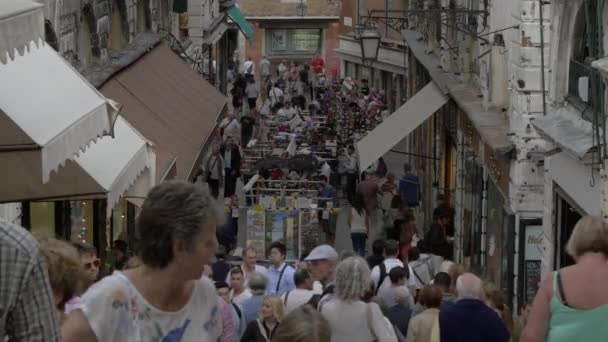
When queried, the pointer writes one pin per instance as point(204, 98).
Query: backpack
point(383, 275)
point(316, 298)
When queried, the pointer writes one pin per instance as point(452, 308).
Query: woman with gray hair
point(346, 310)
point(167, 297)
point(572, 303)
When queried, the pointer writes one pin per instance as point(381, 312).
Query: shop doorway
point(567, 214)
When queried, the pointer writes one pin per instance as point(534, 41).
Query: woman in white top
point(358, 222)
point(351, 319)
point(166, 298)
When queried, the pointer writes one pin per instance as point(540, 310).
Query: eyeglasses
point(95, 263)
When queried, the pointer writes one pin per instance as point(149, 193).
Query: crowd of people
point(176, 290)
point(398, 283)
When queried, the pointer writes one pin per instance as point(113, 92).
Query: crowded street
point(303, 171)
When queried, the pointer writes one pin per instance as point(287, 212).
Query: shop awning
point(21, 23)
point(47, 107)
point(239, 19)
point(489, 121)
point(566, 129)
point(171, 105)
point(107, 169)
point(401, 123)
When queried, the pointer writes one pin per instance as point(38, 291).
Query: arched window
point(144, 23)
point(118, 32)
point(586, 47)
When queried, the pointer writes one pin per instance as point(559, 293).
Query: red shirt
point(317, 65)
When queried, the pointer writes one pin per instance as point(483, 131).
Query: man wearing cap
point(322, 260)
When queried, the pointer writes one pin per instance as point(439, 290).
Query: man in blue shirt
point(409, 187)
point(280, 275)
point(327, 194)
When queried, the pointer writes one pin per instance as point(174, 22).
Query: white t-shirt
point(249, 67)
point(117, 312)
point(389, 263)
point(241, 297)
point(297, 298)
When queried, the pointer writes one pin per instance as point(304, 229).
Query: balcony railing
point(593, 107)
point(595, 92)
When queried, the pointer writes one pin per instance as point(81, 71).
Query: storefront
point(292, 42)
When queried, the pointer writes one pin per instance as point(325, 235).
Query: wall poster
point(279, 40)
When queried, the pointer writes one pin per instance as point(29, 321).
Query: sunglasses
point(95, 263)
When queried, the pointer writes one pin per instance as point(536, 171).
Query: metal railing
point(593, 108)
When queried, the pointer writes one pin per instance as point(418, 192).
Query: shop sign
point(532, 261)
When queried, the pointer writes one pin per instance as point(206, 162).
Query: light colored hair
point(249, 249)
point(352, 279)
point(590, 235)
point(304, 324)
point(63, 267)
point(277, 307)
point(469, 286)
point(401, 294)
point(257, 282)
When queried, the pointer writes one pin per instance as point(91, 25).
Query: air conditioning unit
point(583, 88)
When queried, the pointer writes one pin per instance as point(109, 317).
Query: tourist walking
point(263, 328)
point(177, 230)
point(572, 303)
point(280, 275)
point(350, 318)
point(421, 326)
point(358, 221)
point(232, 166)
point(470, 319)
point(215, 171)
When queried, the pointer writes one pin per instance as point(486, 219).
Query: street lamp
point(358, 30)
point(370, 44)
point(301, 8)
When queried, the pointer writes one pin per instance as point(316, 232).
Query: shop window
point(293, 41)
point(42, 219)
point(82, 221)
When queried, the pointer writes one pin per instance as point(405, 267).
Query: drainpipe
point(484, 218)
point(542, 55)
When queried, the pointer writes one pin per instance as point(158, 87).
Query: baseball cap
point(323, 252)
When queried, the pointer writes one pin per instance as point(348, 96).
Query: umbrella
point(271, 163)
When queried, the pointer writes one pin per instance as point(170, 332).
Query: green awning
point(235, 14)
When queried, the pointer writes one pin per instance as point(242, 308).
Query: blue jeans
point(359, 240)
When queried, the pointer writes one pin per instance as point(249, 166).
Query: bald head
point(469, 286)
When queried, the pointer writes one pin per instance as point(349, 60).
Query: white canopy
point(47, 107)
point(112, 167)
point(400, 124)
point(21, 22)
point(117, 163)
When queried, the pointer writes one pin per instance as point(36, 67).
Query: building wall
point(256, 50)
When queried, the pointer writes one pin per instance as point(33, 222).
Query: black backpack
point(316, 298)
point(383, 275)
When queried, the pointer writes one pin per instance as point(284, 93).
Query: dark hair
point(279, 246)
point(398, 273)
point(391, 248)
point(173, 211)
point(221, 252)
point(431, 296)
point(300, 276)
point(236, 270)
point(438, 214)
point(84, 248)
point(396, 202)
point(413, 254)
point(323, 178)
point(358, 203)
point(443, 280)
point(378, 247)
point(120, 245)
point(221, 285)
